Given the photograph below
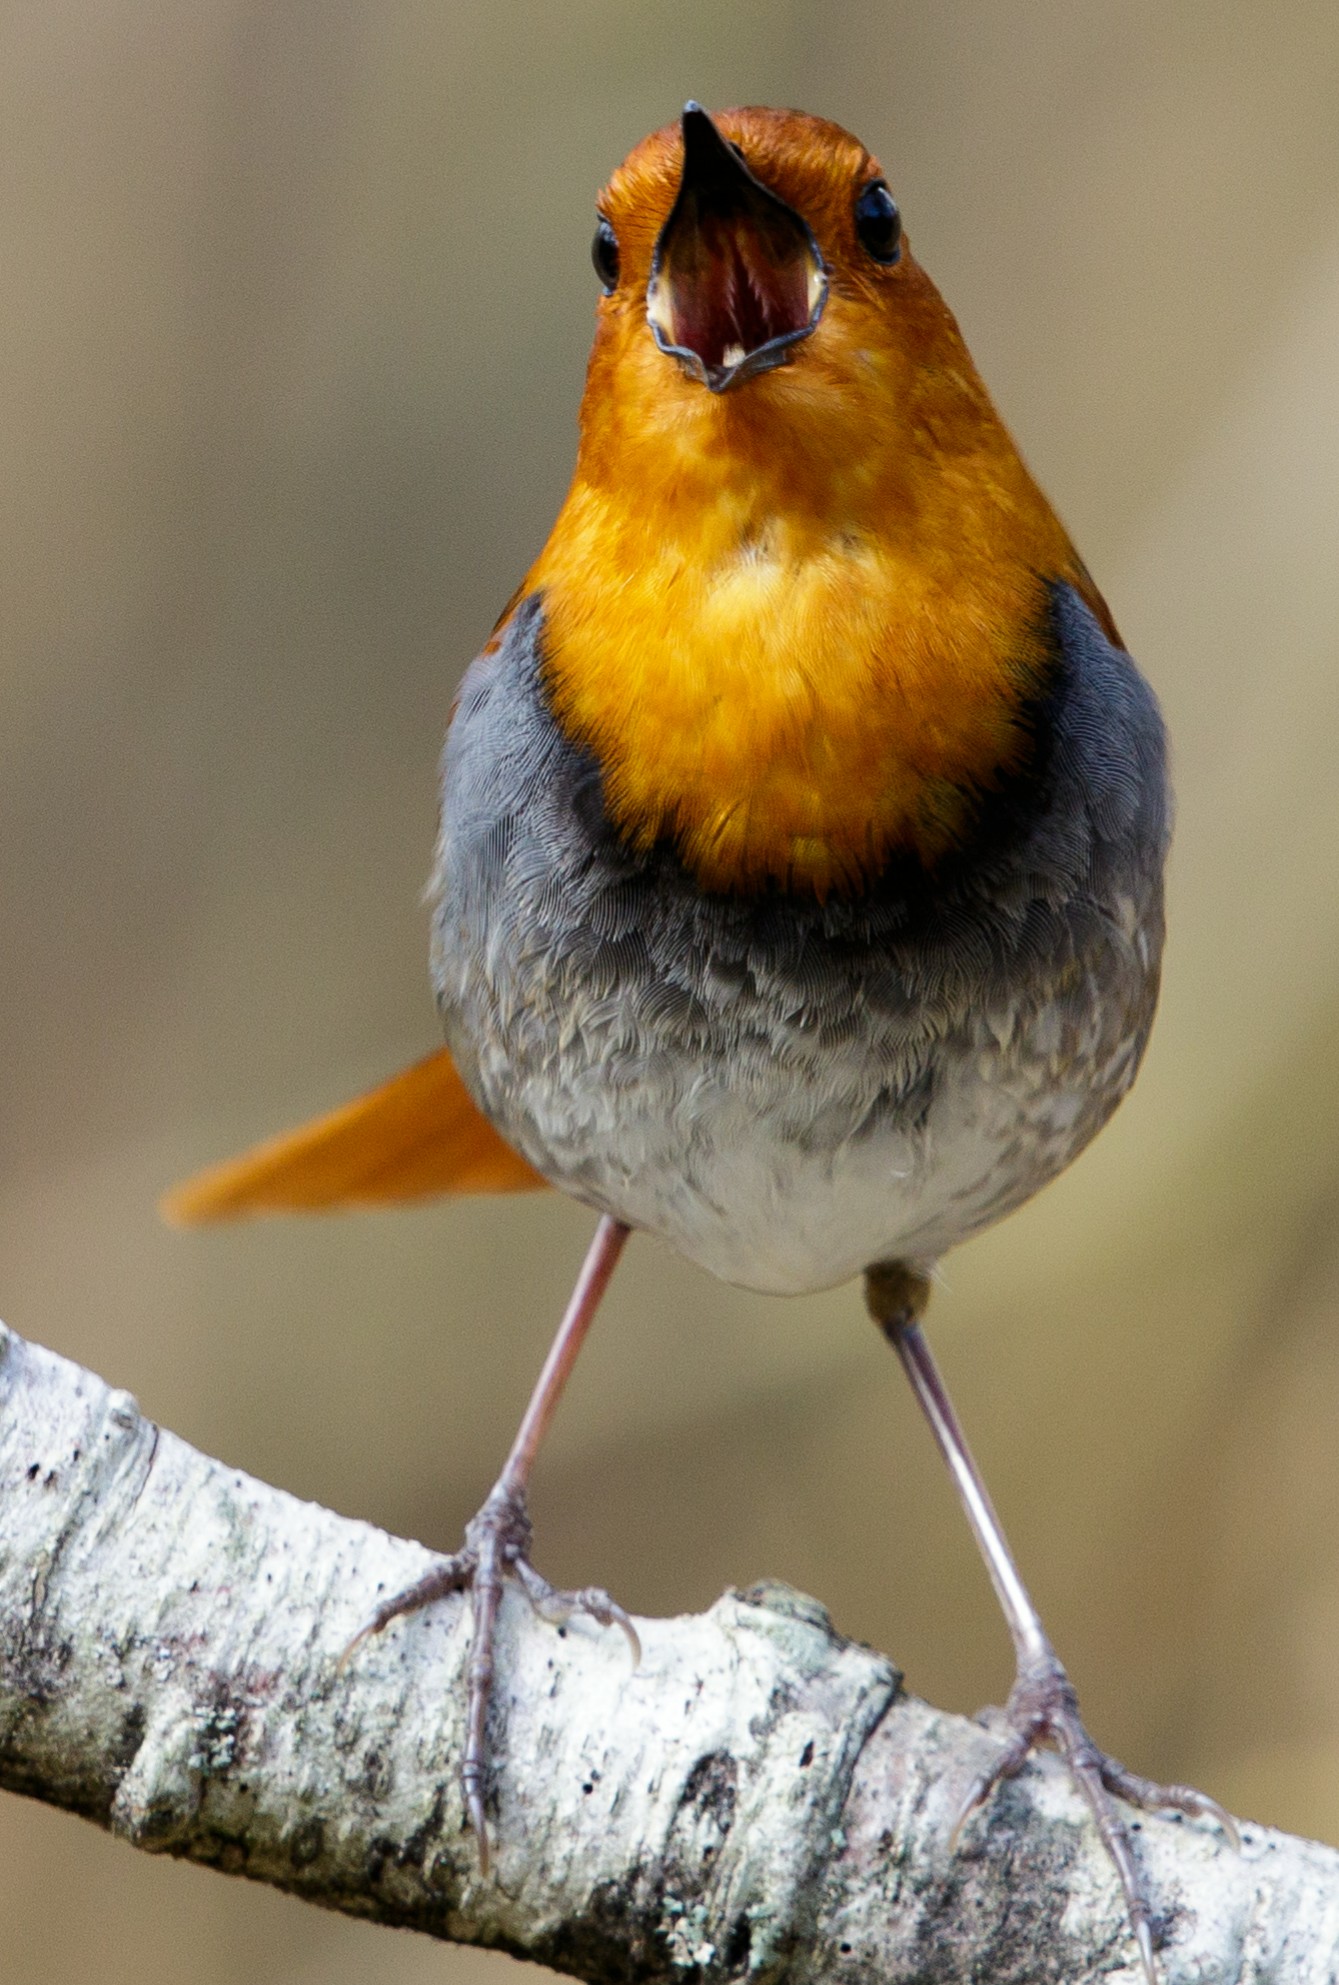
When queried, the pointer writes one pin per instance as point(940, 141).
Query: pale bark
point(757, 1799)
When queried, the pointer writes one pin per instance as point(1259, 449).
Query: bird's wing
point(417, 1135)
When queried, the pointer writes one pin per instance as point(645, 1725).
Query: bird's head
point(757, 281)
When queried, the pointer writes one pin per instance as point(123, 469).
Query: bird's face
point(756, 279)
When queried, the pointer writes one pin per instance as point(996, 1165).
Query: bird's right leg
point(1042, 1706)
point(497, 1540)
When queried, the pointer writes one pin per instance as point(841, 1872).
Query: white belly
point(777, 1194)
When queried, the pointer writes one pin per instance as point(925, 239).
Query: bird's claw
point(558, 1607)
point(497, 1544)
point(1043, 1709)
point(452, 1574)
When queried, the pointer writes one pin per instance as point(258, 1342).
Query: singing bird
point(798, 894)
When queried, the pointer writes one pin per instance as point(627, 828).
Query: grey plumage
point(788, 1090)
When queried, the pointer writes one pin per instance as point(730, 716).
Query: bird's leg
point(497, 1540)
point(1042, 1705)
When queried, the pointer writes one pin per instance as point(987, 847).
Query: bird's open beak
point(737, 277)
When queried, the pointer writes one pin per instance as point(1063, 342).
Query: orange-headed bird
point(798, 895)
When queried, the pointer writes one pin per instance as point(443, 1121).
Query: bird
point(798, 892)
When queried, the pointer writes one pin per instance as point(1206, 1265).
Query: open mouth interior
point(737, 276)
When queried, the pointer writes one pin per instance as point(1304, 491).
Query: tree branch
point(757, 1799)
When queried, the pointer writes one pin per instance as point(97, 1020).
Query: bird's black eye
point(878, 223)
point(604, 254)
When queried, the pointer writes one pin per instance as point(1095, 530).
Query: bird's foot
point(1043, 1709)
point(497, 1545)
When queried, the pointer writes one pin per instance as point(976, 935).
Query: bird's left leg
point(497, 1540)
point(1042, 1705)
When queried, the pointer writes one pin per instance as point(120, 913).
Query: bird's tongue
point(737, 277)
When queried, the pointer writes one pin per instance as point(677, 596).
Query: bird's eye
point(878, 223)
point(604, 254)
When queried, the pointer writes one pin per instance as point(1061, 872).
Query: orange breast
point(790, 697)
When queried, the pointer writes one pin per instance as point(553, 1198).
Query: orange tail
point(417, 1135)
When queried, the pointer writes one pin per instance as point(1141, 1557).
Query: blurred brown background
point(294, 308)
